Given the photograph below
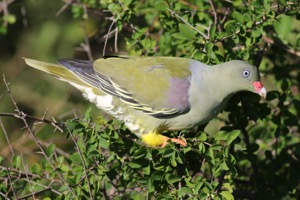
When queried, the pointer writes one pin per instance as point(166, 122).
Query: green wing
point(156, 85)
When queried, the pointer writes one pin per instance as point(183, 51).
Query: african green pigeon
point(153, 94)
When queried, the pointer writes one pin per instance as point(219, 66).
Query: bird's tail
point(56, 70)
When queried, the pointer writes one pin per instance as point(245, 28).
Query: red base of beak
point(259, 88)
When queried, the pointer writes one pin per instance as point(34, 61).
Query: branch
point(6, 137)
point(213, 11)
point(4, 4)
point(22, 174)
point(23, 116)
point(114, 31)
point(4, 196)
point(64, 7)
point(286, 48)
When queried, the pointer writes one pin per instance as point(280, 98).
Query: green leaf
point(127, 2)
point(75, 158)
point(173, 160)
point(224, 166)
point(150, 186)
point(16, 161)
point(256, 33)
point(212, 32)
point(103, 143)
point(172, 178)
point(232, 136)
point(238, 17)
point(197, 187)
point(147, 169)
point(186, 31)
point(10, 18)
point(227, 195)
point(50, 150)
point(216, 147)
point(168, 152)
point(292, 12)
point(135, 165)
point(283, 26)
point(87, 116)
point(221, 135)
point(237, 2)
point(282, 2)
point(140, 153)
point(211, 155)
point(267, 5)
point(228, 187)
point(184, 191)
point(203, 137)
point(36, 168)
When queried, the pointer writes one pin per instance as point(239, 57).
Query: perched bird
point(154, 94)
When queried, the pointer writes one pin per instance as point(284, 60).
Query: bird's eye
point(246, 73)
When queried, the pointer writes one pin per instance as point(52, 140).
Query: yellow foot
point(158, 140)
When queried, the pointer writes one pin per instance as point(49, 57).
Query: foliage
point(256, 153)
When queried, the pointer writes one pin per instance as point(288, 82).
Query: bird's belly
point(197, 116)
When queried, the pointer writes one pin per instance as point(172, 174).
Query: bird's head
point(244, 76)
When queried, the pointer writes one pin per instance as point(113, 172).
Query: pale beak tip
point(260, 89)
point(263, 92)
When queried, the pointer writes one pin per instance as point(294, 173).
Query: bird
point(156, 94)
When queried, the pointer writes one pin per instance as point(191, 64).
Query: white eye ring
point(246, 73)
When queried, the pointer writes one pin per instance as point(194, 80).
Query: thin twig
point(11, 184)
point(6, 137)
point(225, 15)
point(22, 174)
point(64, 7)
point(109, 30)
point(4, 196)
point(27, 176)
point(213, 12)
point(25, 116)
point(5, 4)
point(116, 39)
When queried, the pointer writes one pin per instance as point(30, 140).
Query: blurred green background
point(40, 33)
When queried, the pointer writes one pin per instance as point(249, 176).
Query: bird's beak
point(259, 88)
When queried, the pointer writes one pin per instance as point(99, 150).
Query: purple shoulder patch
point(177, 96)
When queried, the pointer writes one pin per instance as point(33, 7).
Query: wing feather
point(142, 83)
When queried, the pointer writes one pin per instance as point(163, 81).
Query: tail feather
point(56, 70)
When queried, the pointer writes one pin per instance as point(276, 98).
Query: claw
point(175, 140)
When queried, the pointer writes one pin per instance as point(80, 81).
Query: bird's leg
point(157, 140)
